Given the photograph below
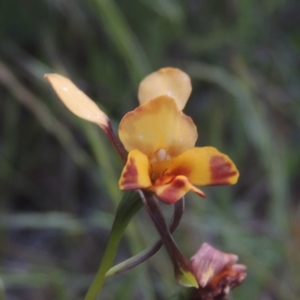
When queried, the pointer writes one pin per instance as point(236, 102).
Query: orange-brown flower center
point(159, 163)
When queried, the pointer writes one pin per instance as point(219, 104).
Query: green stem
point(127, 208)
point(106, 264)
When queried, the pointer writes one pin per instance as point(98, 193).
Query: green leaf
point(128, 207)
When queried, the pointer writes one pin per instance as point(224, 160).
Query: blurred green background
point(58, 174)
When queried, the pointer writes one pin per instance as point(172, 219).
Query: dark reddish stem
point(116, 142)
point(154, 211)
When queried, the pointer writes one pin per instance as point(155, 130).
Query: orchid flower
point(157, 145)
point(159, 137)
point(160, 140)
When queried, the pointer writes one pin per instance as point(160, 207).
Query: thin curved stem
point(150, 251)
point(181, 265)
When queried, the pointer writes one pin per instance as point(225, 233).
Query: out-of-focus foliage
point(58, 174)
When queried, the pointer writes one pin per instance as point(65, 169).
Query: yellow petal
point(135, 174)
point(155, 125)
point(204, 166)
point(76, 101)
point(175, 189)
point(171, 82)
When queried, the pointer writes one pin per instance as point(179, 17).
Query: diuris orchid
point(159, 138)
point(157, 146)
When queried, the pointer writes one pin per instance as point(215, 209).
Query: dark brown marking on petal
point(180, 170)
point(178, 184)
point(172, 190)
point(130, 176)
point(221, 170)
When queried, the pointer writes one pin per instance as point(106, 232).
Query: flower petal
point(135, 174)
point(175, 189)
point(204, 166)
point(209, 262)
point(76, 101)
point(217, 272)
point(155, 125)
point(171, 82)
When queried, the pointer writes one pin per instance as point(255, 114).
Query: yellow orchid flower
point(160, 138)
